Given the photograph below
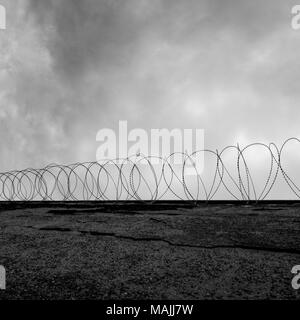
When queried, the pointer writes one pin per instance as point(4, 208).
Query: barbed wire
point(152, 178)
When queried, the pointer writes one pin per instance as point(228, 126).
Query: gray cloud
point(229, 67)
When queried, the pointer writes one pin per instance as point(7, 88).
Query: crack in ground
point(72, 212)
point(158, 239)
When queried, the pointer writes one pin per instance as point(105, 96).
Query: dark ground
point(167, 250)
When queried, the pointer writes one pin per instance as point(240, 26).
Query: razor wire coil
point(137, 178)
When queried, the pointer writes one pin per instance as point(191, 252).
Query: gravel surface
point(94, 250)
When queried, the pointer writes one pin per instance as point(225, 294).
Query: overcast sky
point(69, 68)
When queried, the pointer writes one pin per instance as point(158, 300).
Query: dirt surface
point(94, 250)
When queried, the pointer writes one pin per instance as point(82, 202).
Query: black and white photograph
point(150, 153)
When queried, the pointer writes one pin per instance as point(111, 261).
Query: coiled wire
point(137, 178)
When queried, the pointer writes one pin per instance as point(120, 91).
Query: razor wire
point(138, 178)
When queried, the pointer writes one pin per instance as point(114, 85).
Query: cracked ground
point(95, 250)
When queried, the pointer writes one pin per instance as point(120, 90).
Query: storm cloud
point(70, 68)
